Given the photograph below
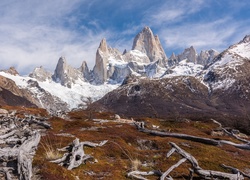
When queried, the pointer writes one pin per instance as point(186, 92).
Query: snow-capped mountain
point(68, 87)
point(220, 91)
point(230, 67)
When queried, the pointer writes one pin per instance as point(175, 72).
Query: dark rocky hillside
point(178, 98)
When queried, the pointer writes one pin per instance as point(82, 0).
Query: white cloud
point(173, 11)
point(203, 35)
point(32, 33)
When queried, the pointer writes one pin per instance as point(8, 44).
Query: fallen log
point(75, 155)
point(139, 174)
point(235, 170)
point(203, 140)
point(207, 174)
point(230, 133)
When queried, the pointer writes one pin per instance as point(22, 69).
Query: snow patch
point(72, 96)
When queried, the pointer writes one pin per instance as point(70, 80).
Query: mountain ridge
point(68, 87)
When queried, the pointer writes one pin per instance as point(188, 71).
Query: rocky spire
point(172, 56)
point(100, 68)
point(103, 46)
point(149, 44)
point(11, 71)
point(85, 70)
point(246, 39)
point(189, 54)
point(65, 74)
point(40, 74)
point(205, 57)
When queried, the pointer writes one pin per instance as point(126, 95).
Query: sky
point(36, 33)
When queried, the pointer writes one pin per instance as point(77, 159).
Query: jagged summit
point(100, 70)
point(190, 54)
point(40, 74)
point(103, 45)
point(65, 74)
point(246, 39)
point(146, 42)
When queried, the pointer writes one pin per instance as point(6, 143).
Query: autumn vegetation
point(128, 149)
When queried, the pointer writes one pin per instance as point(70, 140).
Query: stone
point(189, 54)
point(149, 44)
point(40, 74)
point(65, 74)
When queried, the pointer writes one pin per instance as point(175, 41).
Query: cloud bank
point(36, 33)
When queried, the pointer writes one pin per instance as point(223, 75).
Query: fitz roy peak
point(146, 58)
point(148, 43)
point(69, 87)
point(220, 91)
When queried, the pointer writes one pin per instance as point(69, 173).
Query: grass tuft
point(50, 151)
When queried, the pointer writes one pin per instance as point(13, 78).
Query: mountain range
point(142, 81)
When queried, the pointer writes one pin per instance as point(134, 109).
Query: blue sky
point(35, 33)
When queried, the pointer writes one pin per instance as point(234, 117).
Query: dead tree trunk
point(207, 174)
point(139, 174)
point(18, 142)
point(208, 141)
point(25, 156)
point(75, 155)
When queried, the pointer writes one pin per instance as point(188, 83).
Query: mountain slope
point(220, 91)
point(69, 87)
point(11, 95)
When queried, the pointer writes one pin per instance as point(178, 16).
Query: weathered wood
point(203, 140)
point(201, 172)
point(18, 144)
point(44, 124)
point(165, 174)
point(139, 174)
point(6, 171)
point(33, 120)
point(25, 156)
point(235, 170)
point(9, 134)
point(75, 155)
point(231, 133)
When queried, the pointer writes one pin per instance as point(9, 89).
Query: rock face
point(220, 91)
point(190, 54)
point(12, 71)
point(149, 44)
point(146, 59)
point(85, 71)
point(205, 57)
point(41, 74)
point(12, 95)
point(65, 74)
point(100, 68)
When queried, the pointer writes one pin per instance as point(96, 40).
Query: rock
point(136, 56)
point(149, 44)
point(85, 71)
point(205, 57)
point(173, 60)
point(189, 54)
point(100, 68)
point(65, 74)
point(11, 71)
point(40, 74)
